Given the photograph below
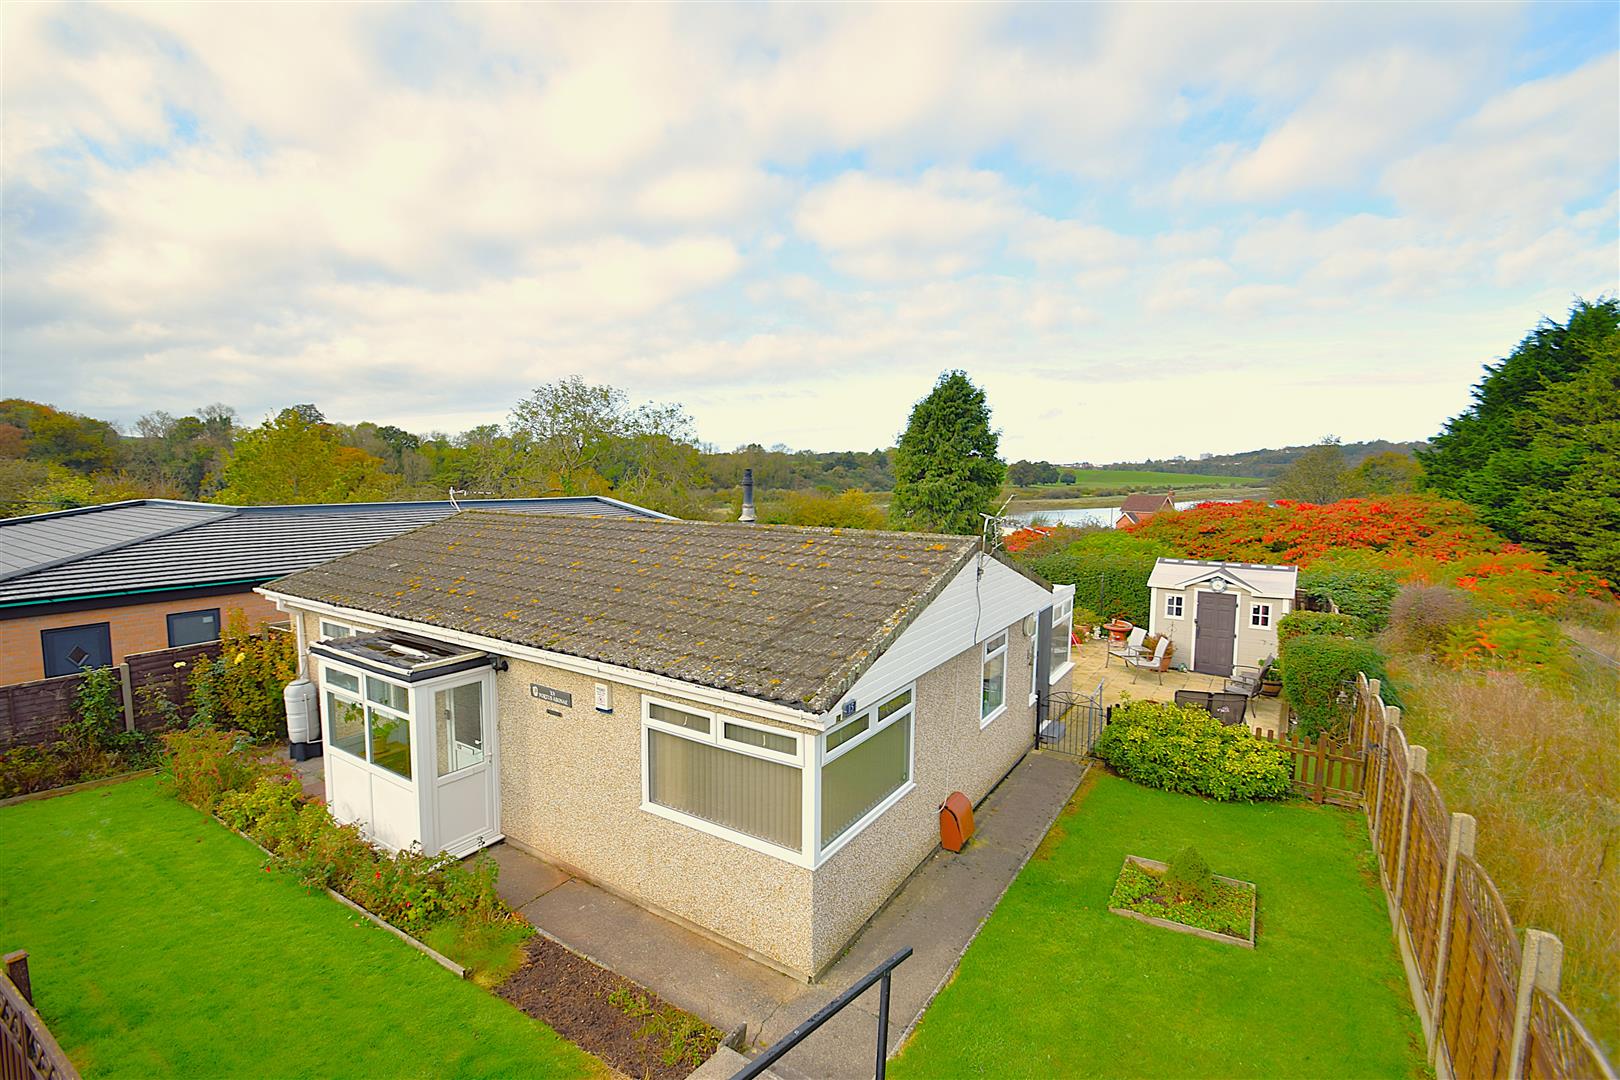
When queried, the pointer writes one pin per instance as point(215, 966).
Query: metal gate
point(1074, 723)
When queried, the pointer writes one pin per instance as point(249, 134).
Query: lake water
point(1090, 515)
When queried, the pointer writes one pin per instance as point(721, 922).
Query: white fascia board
point(646, 680)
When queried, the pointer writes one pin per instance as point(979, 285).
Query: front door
point(464, 795)
point(1214, 633)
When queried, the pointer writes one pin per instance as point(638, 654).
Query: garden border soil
point(570, 994)
point(1183, 928)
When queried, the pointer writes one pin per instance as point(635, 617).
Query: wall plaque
point(546, 693)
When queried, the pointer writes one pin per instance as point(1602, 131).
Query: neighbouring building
point(1138, 508)
point(1220, 615)
point(748, 729)
point(84, 588)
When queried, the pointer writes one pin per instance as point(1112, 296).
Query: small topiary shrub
point(1189, 877)
point(1183, 748)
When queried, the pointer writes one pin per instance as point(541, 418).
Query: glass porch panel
point(739, 791)
point(347, 724)
point(458, 721)
point(854, 784)
point(390, 742)
point(388, 695)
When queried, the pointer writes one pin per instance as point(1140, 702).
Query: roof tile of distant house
point(1137, 504)
point(157, 545)
point(786, 615)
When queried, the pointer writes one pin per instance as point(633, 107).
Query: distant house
point(1138, 508)
point(746, 728)
point(84, 588)
point(1220, 615)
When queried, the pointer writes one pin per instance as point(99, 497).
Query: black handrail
point(774, 1052)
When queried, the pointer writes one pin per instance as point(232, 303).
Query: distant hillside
point(1262, 464)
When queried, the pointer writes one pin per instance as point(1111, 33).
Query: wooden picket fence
point(1488, 1000)
point(1327, 771)
point(28, 1051)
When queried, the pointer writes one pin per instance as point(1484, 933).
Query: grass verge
point(159, 946)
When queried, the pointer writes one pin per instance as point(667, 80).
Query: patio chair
point(1158, 663)
point(1132, 646)
point(1199, 698)
point(1229, 709)
point(1245, 681)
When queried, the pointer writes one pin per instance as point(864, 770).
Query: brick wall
point(134, 628)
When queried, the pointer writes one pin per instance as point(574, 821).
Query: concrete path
point(937, 913)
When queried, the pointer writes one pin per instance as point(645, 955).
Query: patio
point(1264, 714)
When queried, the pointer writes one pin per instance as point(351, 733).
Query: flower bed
point(1140, 893)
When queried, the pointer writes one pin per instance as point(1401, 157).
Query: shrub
point(1357, 581)
point(1319, 678)
point(1188, 876)
point(1424, 618)
point(93, 744)
point(203, 765)
point(1183, 748)
point(1109, 571)
point(1516, 642)
point(241, 688)
point(1298, 623)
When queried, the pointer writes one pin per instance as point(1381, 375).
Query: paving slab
point(524, 878)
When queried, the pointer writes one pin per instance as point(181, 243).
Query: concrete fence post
point(1388, 718)
point(1459, 842)
point(1540, 965)
point(1417, 762)
point(129, 696)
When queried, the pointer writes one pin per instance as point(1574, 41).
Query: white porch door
point(465, 808)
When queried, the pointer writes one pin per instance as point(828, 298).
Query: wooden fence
point(27, 1049)
point(33, 713)
point(1325, 770)
point(1487, 1000)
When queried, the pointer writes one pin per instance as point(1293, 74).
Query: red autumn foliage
point(1015, 542)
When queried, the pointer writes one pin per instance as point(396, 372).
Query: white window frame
point(366, 704)
point(987, 653)
point(909, 710)
point(1180, 602)
point(349, 629)
point(716, 737)
point(1065, 612)
point(1260, 616)
point(1034, 663)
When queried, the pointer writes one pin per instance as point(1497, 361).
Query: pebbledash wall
point(570, 792)
point(133, 628)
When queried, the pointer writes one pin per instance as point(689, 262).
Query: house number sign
point(556, 697)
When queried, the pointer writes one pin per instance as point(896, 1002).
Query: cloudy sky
point(1145, 230)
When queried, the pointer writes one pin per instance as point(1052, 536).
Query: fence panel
point(1327, 771)
point(1426, 837)
point(1397, 765)
point(165, 674)
point(1559, 1047)
point(1482, 978)
point(32, 713)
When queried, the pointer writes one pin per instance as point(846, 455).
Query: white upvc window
point(866, 767)
point(993, 685)
point(368, 717)
point(1062, 639)
point(1034, 665)
point(724, 776)
point(1173, 606)
point(330, 630)
point(1260, 615)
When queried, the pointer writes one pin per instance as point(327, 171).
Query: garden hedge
point(1354, 582)
point(1183, 748)
point(1297, 623)
point(1109, 572)
point(1319, 677)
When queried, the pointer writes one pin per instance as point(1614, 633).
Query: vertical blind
point(760, 798)
point(859, 779)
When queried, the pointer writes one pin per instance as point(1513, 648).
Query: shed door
point(1214, 633)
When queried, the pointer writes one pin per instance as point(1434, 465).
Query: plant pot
point(1270, 689)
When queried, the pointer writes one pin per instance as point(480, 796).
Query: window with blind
point(737, 776)
point(860, 771)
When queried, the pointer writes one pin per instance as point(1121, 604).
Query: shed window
point(993, 686)
point(1172, 606)
point(1260, 615)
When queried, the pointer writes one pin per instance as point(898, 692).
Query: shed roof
point(1274, 582)
point(156, 545)
point(786, 615)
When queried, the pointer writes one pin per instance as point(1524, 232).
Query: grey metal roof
point(782, 614)
point(206, 545)
point(40, 540)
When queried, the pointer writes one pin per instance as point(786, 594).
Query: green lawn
point(159, 946)
point(1056, 986)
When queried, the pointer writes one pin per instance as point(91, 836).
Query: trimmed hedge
point(1298, 623)
point(1360, 588)
point(1109, 571)
point(1183, 748)
point(1319, 677)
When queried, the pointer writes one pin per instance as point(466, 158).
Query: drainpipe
point(747, 514)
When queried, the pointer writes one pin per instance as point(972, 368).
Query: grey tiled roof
point(786, 615)
point(40, 540)
point(219, 545)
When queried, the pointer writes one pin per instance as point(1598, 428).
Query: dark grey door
point(73, 649)
point(1216, 621)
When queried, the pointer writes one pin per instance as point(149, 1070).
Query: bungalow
point(747, 729)
point(1218, 614)
point(83, 588)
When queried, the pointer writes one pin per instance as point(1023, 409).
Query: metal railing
point(880, 974)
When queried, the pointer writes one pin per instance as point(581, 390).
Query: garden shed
point(1220, 615)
